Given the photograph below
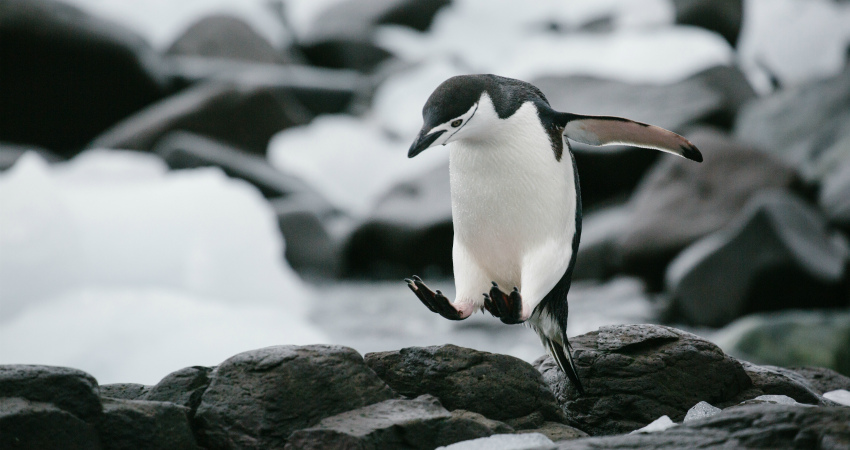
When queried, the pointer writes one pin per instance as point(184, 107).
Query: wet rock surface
point(633, 374)
point(139, 424)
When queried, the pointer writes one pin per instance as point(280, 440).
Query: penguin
point(516, 200)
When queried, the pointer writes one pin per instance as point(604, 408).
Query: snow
point(178, 251)
point(838, 396)
point(527, 441)
point(700, 411)
point(660, 424)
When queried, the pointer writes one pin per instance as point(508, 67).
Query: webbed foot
point(507, 307)
point(435, 301)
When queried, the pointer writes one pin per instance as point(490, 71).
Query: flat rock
point(421, 423)
point(778, 253)
point(680, 201)
point(89, 74)
point(68, 389)
point(500, 387)
point(772, 380)
point(224, 36)
point(791, 338)
point(256, 399)
point(25, 424)
point(138, 424)
point(243, 111)
point(183, 387)
point(556, 431)
point(124, 391)
point(762, 425)
point(823, 379)
point(633, 374)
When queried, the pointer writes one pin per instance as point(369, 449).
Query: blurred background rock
point(182, 182)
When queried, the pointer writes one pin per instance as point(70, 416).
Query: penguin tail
point(564, 358)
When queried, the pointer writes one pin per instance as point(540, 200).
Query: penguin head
point(460, 108)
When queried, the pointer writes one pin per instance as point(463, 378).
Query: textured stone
point(42, 426)
point(124, 391)
point(183, 387)
point(140, 425)
point(256, 399)
point(224, 36)
point(823, 379)
point(68, 389)
point(633, 374)
point(500, 387)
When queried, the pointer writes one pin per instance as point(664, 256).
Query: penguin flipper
point(564, 358)
point(608, 130)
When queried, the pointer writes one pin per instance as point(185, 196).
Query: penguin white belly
point(513, 210)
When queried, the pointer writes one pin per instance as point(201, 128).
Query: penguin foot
point(435, 301)
point(507, 307)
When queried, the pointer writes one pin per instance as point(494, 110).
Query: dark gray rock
point(680, 201)
point(752, 426)
point(244, 112)
point(823, 379)
point(500, 387)
point(256, 399)
point(802, 124)
point(528, 441)
point(225, 36)
point(28, 425)
point(791, 338)
point(409, 231)
point(772, 380)
point(89, 74)
point(599, 255)
point(421, 423)
point(834, 195)
point(124, 391)
point(557, 431)
point(183, 387)
point(724, 17)
point(777, 254)
point(138, 425)
point(633, 374)
point(341, 36)
point(307, 221)
point(68, 389)
point(10, 153)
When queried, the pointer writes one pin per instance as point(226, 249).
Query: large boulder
point(762, 425)
point(724, 16)
point(823, 379)
point(68, 389)
point(243, 111)
point(834, 195)
point(183, 388)
point(124, 391)
point(772, 380)
point(633, 374)
point(26, 424)
point(224, 36)
point(88, 75)
point(791, 338)
point(138, 425)
point(680, 201)
point(256, 399)
point(500, 387)
point(420, 423)
point(778, 253)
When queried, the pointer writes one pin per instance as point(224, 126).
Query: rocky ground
point(646, 386)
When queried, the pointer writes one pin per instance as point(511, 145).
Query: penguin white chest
point(513, 201)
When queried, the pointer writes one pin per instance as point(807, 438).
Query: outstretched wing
point(608, 130)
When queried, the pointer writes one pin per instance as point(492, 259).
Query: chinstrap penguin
point(516, 200)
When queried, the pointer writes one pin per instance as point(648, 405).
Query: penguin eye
point(456, 123)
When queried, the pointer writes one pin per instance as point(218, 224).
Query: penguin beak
point(423, 142)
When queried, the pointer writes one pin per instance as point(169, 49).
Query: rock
point(777, 254)
point(68, 389)
point(32, 425)
point(467, 379)
point(557, 431)
point(530, 441)
point(89, 74)
point(243, 112)
point(182, 150)
point(224, 36)
point(341, 35)
point(774, 399)
point(700, 411)
point(822, 379)
point(679, 201)
point(183, 388)
point(791, 338)
point(409, 231)
point(599, 255)
point(798, 124)
point(834, 195)
point(421, 423)
point(724, 17)
point(751, 426)
point(660, 424)
point(258, 398)
point(633, 374)
point(124, 391)
point(136, 424)
point(310, 226)
point(839, 396)
point(772, 380)
point(10, 153)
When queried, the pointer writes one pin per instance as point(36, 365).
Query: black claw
point(516, 289)
point(438, 292)
point(416, 277)
point(434, 301)
point(494, 284)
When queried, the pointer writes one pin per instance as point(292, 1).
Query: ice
point(527, 441)
point(660, 424)
point(778, 399)
point(838, 396)
point(700, 411)
point(180, 253)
